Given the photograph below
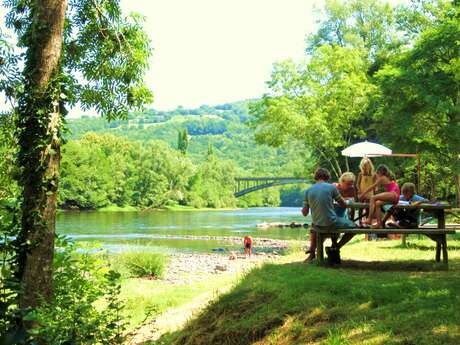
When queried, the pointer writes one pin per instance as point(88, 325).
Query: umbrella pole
point(419, 169)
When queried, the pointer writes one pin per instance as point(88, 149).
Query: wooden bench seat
point(436, 234)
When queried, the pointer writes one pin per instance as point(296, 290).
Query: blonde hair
point(366, 163)
point(347, 176)
point(408, 187)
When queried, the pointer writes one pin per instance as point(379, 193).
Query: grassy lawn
point(381, 294)
point(145, 298)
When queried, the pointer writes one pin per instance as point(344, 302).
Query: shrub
point(86, 307)
point(144, 264)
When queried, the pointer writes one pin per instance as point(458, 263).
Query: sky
point(217, 51)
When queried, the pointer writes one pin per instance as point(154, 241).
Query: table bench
point(437, 234)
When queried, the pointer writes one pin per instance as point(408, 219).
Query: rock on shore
point(187, 268)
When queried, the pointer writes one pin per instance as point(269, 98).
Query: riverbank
point(191, 281)
point(383, 293)
point(115, 208)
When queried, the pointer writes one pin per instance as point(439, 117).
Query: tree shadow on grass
point(412, 245)
point(391, 266)
point(358, 302)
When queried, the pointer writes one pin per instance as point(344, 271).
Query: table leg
point(440, 243)
point(444, 249)
point(438, 249)
point(319, 247)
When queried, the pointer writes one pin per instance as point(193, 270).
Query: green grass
point(381, 294)
point(145, 298)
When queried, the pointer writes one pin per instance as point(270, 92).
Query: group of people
point(328, 202)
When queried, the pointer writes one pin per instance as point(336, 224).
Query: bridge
point(245, 185)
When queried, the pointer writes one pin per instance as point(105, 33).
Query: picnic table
point(437, 234)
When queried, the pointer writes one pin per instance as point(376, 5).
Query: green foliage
point(420, 91)
point(319, 103)
point(212, 173)
point(182, 141)
point(143, 263)
point(86, 308)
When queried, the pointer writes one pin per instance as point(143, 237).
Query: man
point(320, 198)
point(406, 218)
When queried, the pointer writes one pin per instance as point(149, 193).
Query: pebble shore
point(186, 268)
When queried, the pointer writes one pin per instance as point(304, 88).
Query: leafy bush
point(86, 308)
point(143, 263)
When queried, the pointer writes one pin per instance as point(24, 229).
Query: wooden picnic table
point(437, 234)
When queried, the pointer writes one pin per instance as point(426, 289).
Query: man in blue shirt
point(406, 218)
point(320, 198)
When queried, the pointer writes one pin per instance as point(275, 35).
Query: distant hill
point(224, 126)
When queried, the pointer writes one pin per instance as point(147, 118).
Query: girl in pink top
point(391, 194)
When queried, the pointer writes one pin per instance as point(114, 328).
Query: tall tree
point(62, 40)
point(320, 103)
point(420, 92)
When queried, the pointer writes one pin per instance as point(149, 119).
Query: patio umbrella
point(366, 148)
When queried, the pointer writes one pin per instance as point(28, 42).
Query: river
point(178, 231)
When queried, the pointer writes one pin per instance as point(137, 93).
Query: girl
point(366, 178)
point(391, 194)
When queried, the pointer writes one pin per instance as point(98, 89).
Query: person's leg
point(312, 250)
point(371, 209)
point(378, 213)
point(389, 212)
point(344, 240)
point(382, 198)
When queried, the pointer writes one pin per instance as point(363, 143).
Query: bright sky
point(217, 51)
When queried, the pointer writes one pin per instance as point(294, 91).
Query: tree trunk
point(457, 190)
point(39, 124)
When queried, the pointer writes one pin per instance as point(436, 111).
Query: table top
point(436, 206)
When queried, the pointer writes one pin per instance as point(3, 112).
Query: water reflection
point(171, 230)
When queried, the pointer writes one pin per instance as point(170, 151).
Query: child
point(391, 194)
point(366, 178)
point(247, 245)
point(406, 218)
point(347, 190)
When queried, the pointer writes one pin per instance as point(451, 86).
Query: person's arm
point(305, 210)
point(358, 183)
point(341, 202)
point(338, 198)
point(417, 200)
point(306, 206)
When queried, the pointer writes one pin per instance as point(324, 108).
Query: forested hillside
point(186, 156)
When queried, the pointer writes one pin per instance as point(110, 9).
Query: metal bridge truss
point(245, 185)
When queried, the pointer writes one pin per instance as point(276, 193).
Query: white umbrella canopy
point(366, 148)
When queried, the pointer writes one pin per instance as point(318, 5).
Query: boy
point(247, 245)
point(406, 218)
point(320, 199)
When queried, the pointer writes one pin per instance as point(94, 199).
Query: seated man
point(320, 199)
point(406, 218)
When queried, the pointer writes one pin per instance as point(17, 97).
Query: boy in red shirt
point(247, 245)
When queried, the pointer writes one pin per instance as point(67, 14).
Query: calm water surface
point(167, 231)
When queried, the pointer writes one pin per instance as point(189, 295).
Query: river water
point(178, 231)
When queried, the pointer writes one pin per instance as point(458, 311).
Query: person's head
point(408, 190)
point(347, 179)
point(322, 174)
point(383, 170)
point(366, 167)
